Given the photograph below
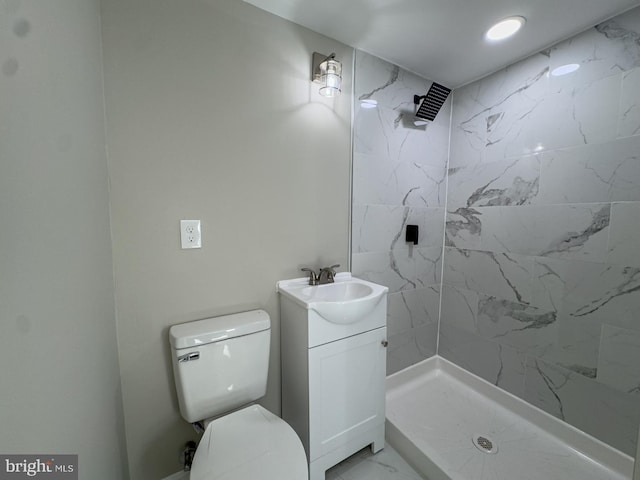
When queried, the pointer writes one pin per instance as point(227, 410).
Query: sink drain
point(485, 444)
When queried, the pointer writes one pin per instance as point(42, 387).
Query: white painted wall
point(211, 115)
point(59, 377)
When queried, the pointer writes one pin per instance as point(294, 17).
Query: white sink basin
point(346, 301)
point(337, 292)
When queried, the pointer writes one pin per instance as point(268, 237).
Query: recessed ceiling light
point(505, 28)
point(565, 69)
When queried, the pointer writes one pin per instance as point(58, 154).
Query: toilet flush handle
point(187, 357)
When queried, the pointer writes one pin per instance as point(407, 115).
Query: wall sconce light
point(327, 71)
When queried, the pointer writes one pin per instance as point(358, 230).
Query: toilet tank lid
point(215, 329)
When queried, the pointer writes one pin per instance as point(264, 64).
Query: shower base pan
point(452, 425)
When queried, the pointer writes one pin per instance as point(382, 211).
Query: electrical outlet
point(190, 234)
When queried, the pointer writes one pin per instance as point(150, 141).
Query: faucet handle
point(313, 278)
point(332, 268)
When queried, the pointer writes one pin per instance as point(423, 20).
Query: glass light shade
point(330, 77)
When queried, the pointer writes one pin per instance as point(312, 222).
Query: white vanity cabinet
point(333, 381)
point(346, 392)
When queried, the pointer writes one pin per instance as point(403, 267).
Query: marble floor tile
point(386, 464)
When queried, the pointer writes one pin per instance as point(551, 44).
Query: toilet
point(220, 367)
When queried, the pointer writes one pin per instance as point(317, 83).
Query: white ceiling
point(442, 40)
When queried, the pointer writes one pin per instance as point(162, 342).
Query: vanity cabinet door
point(346, 390)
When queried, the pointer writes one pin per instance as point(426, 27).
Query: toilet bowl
point(220, 365)
point(247, 444)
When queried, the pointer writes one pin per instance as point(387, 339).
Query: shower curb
point(406, 379)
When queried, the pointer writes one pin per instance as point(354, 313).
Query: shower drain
point(485, 444)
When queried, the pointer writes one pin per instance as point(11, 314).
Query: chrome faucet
point(324, 276)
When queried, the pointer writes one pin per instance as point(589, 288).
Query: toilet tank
point(220, 363)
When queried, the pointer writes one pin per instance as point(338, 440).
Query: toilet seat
point(250, 444)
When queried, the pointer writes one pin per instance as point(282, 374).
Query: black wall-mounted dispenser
point(412, 234)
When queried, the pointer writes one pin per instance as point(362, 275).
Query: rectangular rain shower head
point(431, 102)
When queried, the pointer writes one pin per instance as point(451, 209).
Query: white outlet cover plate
point(190, 234)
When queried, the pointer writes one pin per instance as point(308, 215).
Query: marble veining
point(379, 181)
point(522, 327)
point(625, 234)
point(501, 365)
point(629, 121)
point(387, 133)
point(461, 307)
point(412, 308)
point(545, 171)
point(630, 285)
point(391, 86)
point(608, 172)
point(571, 231)
point(576, 346)
point(548, 285)
point(492, 119)
point(586, 291)
point(552, 385)
point(399, 178)
point(577, 239)
point(600, 51)
point(619, 362)
point(629, 39)
point(526, 317)
point(538, 287)
point(506, 122)
point(392, 257)
point(393, 77)
point(564, 231)
point(464, 228)
point(582, 114)
point(510, 182)
point(518, 194)
point(503, 275)
point(573, 398)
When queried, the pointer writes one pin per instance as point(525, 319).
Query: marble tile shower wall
point(541, 278)
point(399, 177)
